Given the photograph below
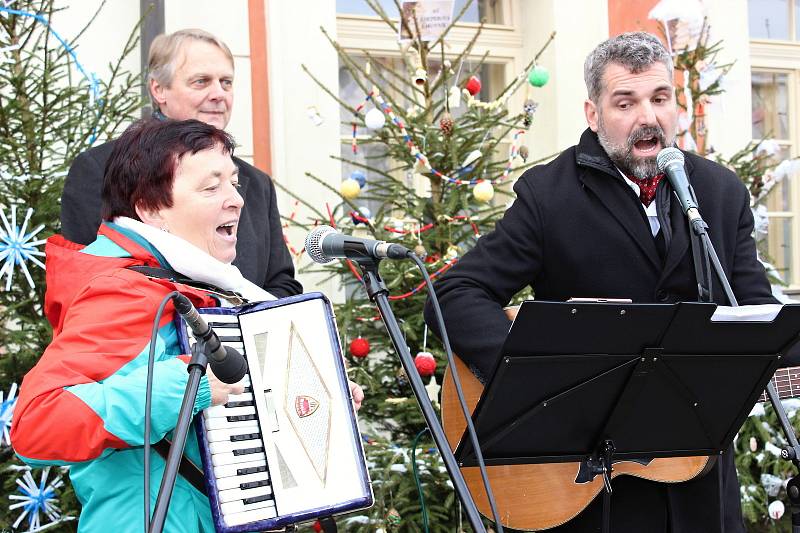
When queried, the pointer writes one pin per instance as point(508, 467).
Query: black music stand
point(599, 382)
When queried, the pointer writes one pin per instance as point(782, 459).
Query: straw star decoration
point(17, 246)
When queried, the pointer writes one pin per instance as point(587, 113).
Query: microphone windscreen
point(667, 156)
point(314, 244)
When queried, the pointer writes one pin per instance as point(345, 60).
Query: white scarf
point(193, 262)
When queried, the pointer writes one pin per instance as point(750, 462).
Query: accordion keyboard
point(237, 449)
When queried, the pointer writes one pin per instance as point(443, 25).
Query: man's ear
point(150, 217)
point(157, 92)
point(590, 110)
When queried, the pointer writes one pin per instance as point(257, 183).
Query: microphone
point(226, 363)
point(324, 244)
point(670, 162)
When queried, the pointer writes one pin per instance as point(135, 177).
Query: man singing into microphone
point(599, 221)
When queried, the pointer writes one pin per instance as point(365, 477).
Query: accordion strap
point(165, 273)
point(190, 471)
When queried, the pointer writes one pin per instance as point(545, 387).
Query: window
point(491, 10)
point(772, 107)
point(774, 19)
point(358, 29)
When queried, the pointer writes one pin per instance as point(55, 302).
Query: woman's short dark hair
point(142, 165)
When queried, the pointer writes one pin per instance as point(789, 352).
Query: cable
point(417, 481)
point(459, 392)
point(148, 396)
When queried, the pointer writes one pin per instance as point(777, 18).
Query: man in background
point(190, 76)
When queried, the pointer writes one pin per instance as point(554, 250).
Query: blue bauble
point(360, 177)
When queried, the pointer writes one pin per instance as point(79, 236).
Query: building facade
point(288, 125)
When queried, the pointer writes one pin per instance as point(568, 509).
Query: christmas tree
point(429, 165)
point(51, 109)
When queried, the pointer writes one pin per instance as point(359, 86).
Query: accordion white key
point(288, 449)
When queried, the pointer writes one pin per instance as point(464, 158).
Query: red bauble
point(425, 363)
point(473, 85)
point(317, 526)
point(359, 347)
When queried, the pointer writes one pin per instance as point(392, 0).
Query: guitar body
point(542, 496)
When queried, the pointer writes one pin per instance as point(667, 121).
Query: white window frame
point(783, 57)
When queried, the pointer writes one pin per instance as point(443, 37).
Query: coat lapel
point(679, 242)
point(624, 210)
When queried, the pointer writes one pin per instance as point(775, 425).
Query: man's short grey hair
point(636, 51)
point(164, 52)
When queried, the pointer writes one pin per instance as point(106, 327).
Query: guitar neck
point(786, 382)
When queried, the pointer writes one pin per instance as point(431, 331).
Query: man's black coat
point(261, 252)
point(577, 229)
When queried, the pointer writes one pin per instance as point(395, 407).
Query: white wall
point(729, 115)
point(580, 25)
point(104, 41)
point(295, 39)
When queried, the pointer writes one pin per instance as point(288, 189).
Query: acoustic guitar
point(543, 496)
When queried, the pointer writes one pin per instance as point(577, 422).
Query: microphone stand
point(196, 368)
point(792, 451)
point(378, 293)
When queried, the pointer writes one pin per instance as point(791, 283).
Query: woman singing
point(170, 201)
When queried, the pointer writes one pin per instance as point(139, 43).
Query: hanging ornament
point(37, 500)
point(753, 444)
point(420, 251)
point(473, 85)
point(314, 115)
point(471, 158)
point(483, 191)
point(446, 124)
point(349, 188)
point(425, 363)
point(401, 377)
point(360, 177)
point(17, 246)
point(374, 119)
point(454, 97)
point(452, 252)
point(6, 412)
point(433, 389)
point(358, 216)
point(776, 510)
point(538, 76)
point(393, 517)
point(524, 152)
point(420, 76)
point(359, 347)
point(528, 109)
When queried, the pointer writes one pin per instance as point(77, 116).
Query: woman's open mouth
point(227, 231)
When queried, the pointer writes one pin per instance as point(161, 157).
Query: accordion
point(288, 449)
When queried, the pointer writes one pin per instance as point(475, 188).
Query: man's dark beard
point(623, 157)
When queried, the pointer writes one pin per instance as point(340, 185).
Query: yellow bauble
point(349, 188)
point(483, 191)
